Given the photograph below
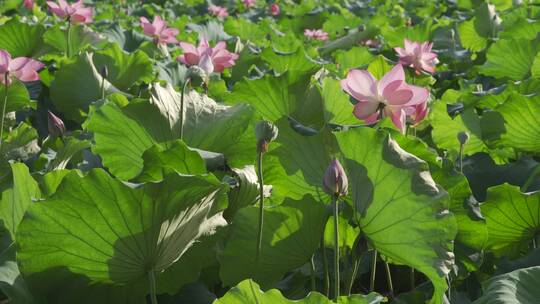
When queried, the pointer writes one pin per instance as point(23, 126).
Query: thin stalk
point(373, 271)
point(68, 38)
point(186, 83)
point(336, 246)
point(411, 278)
point(325, 268)
point(356, 262)
point(389, 278)
point(312, 262)
point(261, 208)
point(4, 106)
point(461, 158)
point(102, 88)
point(152, 279)
point(534, 242)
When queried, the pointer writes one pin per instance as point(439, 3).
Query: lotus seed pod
point(335, 180)
point(55, 125)
point(265, 132)
point(463, 137)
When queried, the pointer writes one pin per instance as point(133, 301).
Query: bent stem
point(184, 88)
point(4, 106)
point(325, 267)
point(336, 247)
point(152, 281)
point(261, 208)
point(373, 270)
point(389, 278)
point(68, 38)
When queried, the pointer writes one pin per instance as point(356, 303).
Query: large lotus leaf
point(248, 291)
point(296, 62)
point(446, 129)
point(521, 122)
point(125, 69)
point(81, 38)
point(17, 96)
point(77, 84)
point(512, 219)
point(470, 39)
point(519, 286)
point(16, 200)
point(120, 140)
point(515, 67)
point(292, 232)
point(68, 149)
point(100, 228)
point(20, 144)
point(246, 191)
point(208, 125)
point(273, 97)
point(404, 213)
point(21, 39)
point(337, 107)
point(356, 57)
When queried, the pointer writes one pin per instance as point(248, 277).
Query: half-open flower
point(22, 68)
point(418, 56)
point(210, 59)
point(274, 9)
point(75, 12)
point(159, 31)
point(316, 34)
point(390, 96)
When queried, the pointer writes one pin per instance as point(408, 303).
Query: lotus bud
point(195, 71)
point(335, 180)
point(265, 132)
point(55, 125)
point(104, 72)
point(463, 137)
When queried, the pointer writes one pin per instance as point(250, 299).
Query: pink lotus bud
point(55, 125)
point(274, 9)
point(265, 132)
point(335, 180)
point(29, 4)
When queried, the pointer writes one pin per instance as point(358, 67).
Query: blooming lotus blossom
point(29, 4)
point(418, 56)
point(22, 68)
point(417, 113)
point(249, 3)
point(210, 59)
point(218, 11)
point(75, 12)
point(274, 9)
point(316, 34)
point(390, 96)
point(159, 31)
point(335, 181)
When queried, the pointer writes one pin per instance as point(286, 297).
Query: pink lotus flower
point(22, 68)
point(390, 96)
point(218, 11)
point(75, 12)
point(417, 113)
point(274, 9)
point(417, 55)
point(29, 4)
point(209, 59)
point(159, 31)
point(249, 3)
point(316, 34)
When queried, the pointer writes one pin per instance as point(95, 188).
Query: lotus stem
point(184, 88)
point(461, 158)
point(325, 267)
point(389, 278)
point(356, 262)
point(312, 263)
point(68, 38)
point(336, 246)
point(373, 271)
point(261, 207)
point(152, 279)
point(411, 277)
point(4, 106)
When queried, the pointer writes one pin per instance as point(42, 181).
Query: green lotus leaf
point(97, 227)
point(22, 39)
point(292, 232)
point(512, 217)
point(81, 38)
point(515, 67)
point(518, 286)
point(17, 96)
